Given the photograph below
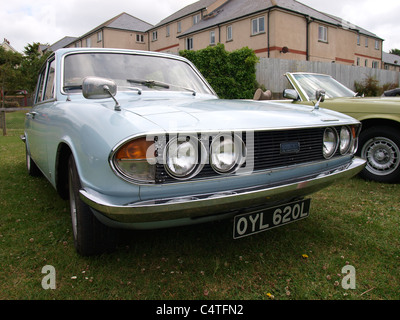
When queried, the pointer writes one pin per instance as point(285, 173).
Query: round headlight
point(227, 153)
point(182, 157)
point(134, 160)
point(345, 140)
point(330, 142)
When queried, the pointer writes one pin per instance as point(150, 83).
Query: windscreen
point(310, 83)
point(132, 70)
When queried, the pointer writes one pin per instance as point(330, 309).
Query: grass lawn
point(354, 223)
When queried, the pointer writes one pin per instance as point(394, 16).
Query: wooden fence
point(270, 73)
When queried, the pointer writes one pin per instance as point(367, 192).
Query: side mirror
point(98, 88)
point(290, 94)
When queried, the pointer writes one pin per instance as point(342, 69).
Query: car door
point(37, 120)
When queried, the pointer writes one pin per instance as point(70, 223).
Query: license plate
point(262, 220)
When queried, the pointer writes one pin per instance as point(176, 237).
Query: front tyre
point(91, 237)
point(380, 146)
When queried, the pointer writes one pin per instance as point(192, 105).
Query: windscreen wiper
point(154, 83)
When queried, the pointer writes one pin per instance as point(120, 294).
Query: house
point(123, 31)
point(391, 62)
point(7, 46)
point(285, 29)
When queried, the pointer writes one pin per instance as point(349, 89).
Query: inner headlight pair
point(343, 138)
point(185, 156)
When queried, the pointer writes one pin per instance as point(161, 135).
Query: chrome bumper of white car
point(197, 206)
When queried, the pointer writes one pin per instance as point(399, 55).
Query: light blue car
point(140, 140)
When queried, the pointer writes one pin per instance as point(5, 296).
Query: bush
point(231, 74)
point(370, 87)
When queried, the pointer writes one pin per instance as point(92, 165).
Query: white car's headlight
point(330, 142)
point(135, 159)
point(345, 140)
point(227, 152)
point(183, 156)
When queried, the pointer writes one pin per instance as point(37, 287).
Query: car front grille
point(268, 152)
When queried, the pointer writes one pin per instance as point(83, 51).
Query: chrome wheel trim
point(382, 155)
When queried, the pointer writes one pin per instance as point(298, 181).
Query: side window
point(45, 87)
point(40, 85)
point(49, 91)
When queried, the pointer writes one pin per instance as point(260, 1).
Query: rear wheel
point(91, 237)
point(380, 146)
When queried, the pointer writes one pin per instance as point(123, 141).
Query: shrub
point(231, 74)
point(370, 87)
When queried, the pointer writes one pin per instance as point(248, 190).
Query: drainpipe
point(268, 32)
point(308, 22)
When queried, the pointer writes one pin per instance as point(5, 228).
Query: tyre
point(91, 237)
point(380, 146)
point(31, 166)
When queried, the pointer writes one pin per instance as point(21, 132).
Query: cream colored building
point(285, 29)
point(123, 31)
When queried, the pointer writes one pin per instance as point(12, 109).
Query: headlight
point(345, 140)
point(227, 153)
point(330, 142)
point(135, 160)
point(183, 157)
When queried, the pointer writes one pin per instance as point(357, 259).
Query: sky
point(23, 22)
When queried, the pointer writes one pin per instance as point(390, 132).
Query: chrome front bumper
point(197, 206)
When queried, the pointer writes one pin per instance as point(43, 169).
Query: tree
point(395, 51)
point(32, 61)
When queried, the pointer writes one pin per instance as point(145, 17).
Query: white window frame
point(212, 37)
point(256, 26)
point(322, 33)
point(88, 42)
point(179, 26)
point(377, 44)
point(168, 31)
point(189, 43)
point(99, 36)
point(229, 33)
point(196, 19)
point(154, 36)
point(139, 38)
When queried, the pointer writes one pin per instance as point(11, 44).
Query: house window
point(196, 19)
point(229, 33)
point(155, 35)
point(140, 38)
point(376, 44)
point(358, 61)
point(99, 36)
point(77, 44)
point(323, 34)
point(258, 26)
point(358, 39)
point(168, 31)
point(179, 26)
point(88, 42)
point(212, 37)
point(189, 44)
point(375, 64)
point(366, 63)
point(366, 42)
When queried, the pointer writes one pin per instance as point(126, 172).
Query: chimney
point(216, 5)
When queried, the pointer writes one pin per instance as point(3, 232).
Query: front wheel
point(91, 237)
point(380, 146)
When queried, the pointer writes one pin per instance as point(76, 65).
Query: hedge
point(231, 74)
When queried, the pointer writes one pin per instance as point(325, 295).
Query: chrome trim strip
point(217, 203)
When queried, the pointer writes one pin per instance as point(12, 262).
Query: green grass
point(354, 222)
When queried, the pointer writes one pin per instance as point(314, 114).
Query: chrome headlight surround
point(346, 140)
point(227, 153)
point(330, 142)
point(184, 156)
point(134, 160)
